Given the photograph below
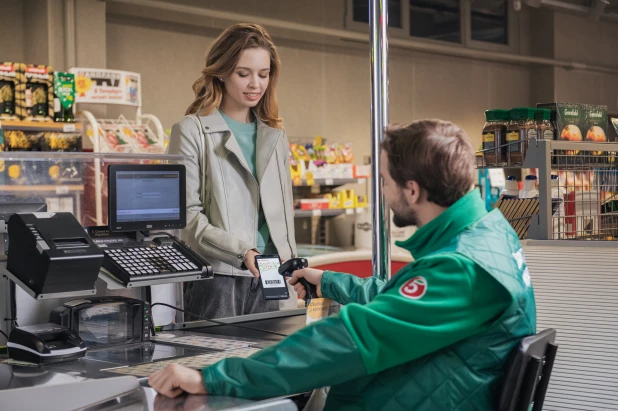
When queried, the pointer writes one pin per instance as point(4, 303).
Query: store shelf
point(58, 189)
point(333, 182)
point(331, 212)
point(44, 296)
point(84, 156)
point(43, 126)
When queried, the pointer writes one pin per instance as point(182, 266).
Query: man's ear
point(413, 192)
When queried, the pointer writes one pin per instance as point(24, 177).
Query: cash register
point(143, 198)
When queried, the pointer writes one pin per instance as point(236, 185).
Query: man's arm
point(459, 300)
point(348, 288)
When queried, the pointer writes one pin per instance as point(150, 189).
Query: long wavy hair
point(221, 59)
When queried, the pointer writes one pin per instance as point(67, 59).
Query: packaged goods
point(64, 97)
point(494, 136)
point(35, 93)
point(8, 89)
point(521, 127)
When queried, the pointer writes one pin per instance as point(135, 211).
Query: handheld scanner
point(294, 264)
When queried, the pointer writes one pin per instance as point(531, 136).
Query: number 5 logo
point(414, 288)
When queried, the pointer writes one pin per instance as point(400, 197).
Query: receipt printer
point(45, 344)
point(51, 253)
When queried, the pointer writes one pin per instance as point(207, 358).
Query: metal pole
point(378, 18)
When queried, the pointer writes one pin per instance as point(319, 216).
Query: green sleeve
point(348, 288)
point(310, 358)
point(460, 300)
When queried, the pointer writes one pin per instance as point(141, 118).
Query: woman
point(239, 192)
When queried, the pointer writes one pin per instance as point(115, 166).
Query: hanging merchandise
point(8, 89)
point(64, 91)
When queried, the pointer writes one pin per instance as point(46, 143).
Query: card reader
point(45, 344)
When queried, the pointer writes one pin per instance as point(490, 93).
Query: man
point(434, 337)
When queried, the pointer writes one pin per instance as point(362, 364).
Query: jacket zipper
point(209, 244)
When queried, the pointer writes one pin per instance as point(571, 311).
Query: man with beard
point(434, 337)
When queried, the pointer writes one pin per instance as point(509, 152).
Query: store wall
point(12, 23)
point(595, 43)
point(324, 87)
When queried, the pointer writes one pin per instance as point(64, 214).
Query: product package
point(62, 170)
point(578, 122)
point(64, 92)
point(35, 94)
point(8, 89)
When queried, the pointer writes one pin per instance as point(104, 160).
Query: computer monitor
point(144, 197)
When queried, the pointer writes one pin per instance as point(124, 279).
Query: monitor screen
point(146, 197)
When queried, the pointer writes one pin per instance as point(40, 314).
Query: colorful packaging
point(8, 90)
point(64, 92)
point(35, 93)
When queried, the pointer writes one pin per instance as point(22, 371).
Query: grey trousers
point(225, 296)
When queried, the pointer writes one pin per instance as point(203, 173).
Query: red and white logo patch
point(414, 288)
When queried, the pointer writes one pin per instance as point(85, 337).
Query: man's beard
point(403, 216)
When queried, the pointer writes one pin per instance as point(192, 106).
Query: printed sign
point(414, 288)
point(107, 86)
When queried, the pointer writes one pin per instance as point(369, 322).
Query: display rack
point(329, 212)
point(589, 173)
point(333, 182)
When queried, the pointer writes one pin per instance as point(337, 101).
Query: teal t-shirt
point(246, 135)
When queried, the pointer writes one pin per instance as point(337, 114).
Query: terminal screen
point(143, 196)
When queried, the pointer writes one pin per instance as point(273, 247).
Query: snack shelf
point(41, 126)
point(333, 182)
point(329, 212)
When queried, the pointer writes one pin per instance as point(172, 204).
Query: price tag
point(360, 210)
point(329, 182)
point(349, 211)
point(68, 128)
point(62, 190)
point(360, 181)
point(316, 213)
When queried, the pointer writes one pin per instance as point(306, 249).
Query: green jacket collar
point(442, 229)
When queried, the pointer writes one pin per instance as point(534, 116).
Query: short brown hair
point(436, 154)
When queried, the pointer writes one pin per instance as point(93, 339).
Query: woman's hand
point(250, 263)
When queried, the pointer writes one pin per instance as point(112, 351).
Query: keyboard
point(152, 262)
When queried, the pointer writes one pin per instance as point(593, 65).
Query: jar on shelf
point(522, 126)
point(494, 131)
point(544, 127)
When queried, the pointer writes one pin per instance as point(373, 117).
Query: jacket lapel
point(267, 140)
point(214, 123)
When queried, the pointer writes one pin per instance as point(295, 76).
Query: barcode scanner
point(294, 264)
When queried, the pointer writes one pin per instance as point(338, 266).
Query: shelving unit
point(333, 182)
point(331, 212)
point(41, 126)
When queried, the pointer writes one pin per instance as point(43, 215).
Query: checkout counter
point(86, 286)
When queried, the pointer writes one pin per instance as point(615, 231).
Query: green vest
point(478, 361)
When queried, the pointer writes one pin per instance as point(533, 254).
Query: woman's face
point(249, 80)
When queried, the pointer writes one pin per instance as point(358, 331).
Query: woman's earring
point(221, 79)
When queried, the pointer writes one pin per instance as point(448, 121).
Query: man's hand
point(175, 379)
point(250, 263)
point(312, 275)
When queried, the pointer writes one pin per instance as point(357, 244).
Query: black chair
point(528, 371)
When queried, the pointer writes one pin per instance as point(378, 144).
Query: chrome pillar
point(378, 17)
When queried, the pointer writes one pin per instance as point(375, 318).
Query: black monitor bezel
point(112, 223)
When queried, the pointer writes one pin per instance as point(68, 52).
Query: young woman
point(239, 190)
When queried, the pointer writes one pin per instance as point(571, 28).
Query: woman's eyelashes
point(243, 75)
